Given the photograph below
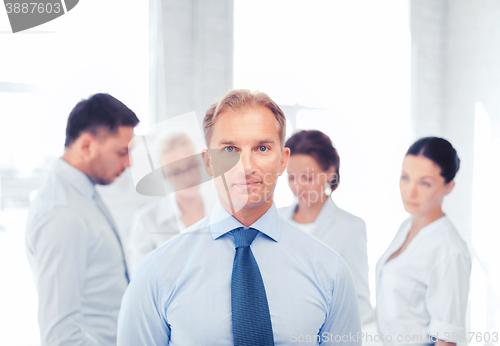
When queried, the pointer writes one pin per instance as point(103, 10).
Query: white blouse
point(424, 290)
point(345, 234)
point(308, 227)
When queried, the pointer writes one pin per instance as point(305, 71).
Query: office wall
point(191, 56)
point(456, 94)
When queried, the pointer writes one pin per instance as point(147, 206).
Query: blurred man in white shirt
point(73, 246)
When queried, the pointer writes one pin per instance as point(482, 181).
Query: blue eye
point(403, 177)
point(425, 184)
point(229, 149)
point(262, 148)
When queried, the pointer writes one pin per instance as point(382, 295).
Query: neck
point(185, 201)
point(422, 220)
point(248, 215)
point(70, 158)
point(308, 212)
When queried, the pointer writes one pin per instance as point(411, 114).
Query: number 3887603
point(33, 7)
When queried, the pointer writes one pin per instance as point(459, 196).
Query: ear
point(331, 172)
point(285, 155)
point(449, 187)
point(85, 145)
point(207, 163)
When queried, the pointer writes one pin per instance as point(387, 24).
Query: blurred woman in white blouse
point(313, 174)
point(423, 276)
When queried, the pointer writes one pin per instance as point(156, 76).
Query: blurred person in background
point(123, 203)
point(423, 276)
point(313, 174)
point(159, 221)
point(73, 247)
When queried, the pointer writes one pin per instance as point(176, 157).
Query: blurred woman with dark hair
point(423, 276)
point(313, 174)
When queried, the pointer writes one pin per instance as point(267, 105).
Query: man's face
point(110, 155)
point(253, 133)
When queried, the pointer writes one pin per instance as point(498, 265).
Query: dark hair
point(100, 111)
point(320, 147)
point(439, 151)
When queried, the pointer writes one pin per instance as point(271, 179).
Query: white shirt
point(424, 289)
point(159, 221)
point(307, 227)
point(345, 234)
point(76, 260)
point(123, 201)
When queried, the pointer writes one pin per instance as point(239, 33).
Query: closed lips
point(248, 183)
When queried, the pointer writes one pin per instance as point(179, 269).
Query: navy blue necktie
point(250, 312)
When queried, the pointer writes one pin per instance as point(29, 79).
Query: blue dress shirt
point(76, 260)
point(181, 292)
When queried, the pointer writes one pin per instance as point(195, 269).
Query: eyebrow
point(267, 140)
point(262, 141)
point(225, 142)
point(424, 177)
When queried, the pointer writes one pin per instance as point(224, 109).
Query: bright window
point(346, 64)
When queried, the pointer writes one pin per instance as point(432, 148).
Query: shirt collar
point(438, 223)
point(326, 209)
point(222, 222)
point(79, 180)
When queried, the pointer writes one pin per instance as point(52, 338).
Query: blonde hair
point(238, 99)
point(173, 141)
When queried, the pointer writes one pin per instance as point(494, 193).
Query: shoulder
point(449, 240)
point(148, 211)
point(347, 217)
point(314, 257)
point(61, 225)
point(53, 193)
point(169, 260)
point(146, 275)
point(56, 202)
point(184, 243)
point(404, 228)
point(445, 247)
point(305, 244)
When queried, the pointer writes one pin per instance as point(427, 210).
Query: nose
point(412, 191)
point(127, 162)
point(247, 162)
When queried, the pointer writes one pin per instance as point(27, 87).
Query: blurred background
point(373, 75)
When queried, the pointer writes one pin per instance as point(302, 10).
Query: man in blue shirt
point(242, 275)
point(72, 244)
